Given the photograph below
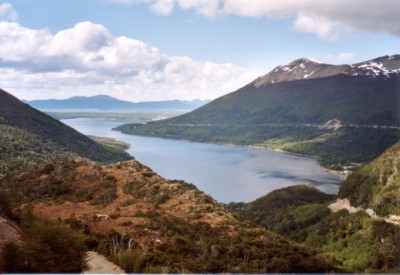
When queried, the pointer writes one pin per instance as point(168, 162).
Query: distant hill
point(106, 103)
point(147, 224)
point(28, 136)
point(292, 107)
point(376, 185)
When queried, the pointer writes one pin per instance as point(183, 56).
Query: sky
point(150, 50)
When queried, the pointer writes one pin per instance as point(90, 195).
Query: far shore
point(331, 171)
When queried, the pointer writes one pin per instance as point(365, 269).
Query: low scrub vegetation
point(47, 247)
point(356, 242)
point(376, 185)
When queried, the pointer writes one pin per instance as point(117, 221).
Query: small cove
point(227, 173)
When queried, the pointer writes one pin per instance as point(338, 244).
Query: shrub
point(127, 202)
point(48, 248)
point(53, 248)
point(5, 203)
point(127, 223)
point(12, 258)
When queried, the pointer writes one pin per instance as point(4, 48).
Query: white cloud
point(82, 38)
point(207, 8)
point(88, 60)
point(362, 15)
point(341, 58)
point(325, 18)
point(320, 26)
point(164, 7)
point(128, 2)
point(7, 13)
point(19, 43)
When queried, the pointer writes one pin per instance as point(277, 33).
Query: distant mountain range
point(28, 136)
point(107, 103)
point(291, 108)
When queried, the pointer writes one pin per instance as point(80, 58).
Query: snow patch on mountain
point(304, 69)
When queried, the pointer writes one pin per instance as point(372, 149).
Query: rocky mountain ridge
point(304, 68)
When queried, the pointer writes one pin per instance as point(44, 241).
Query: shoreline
point(331, 171)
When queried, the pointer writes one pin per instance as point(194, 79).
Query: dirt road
point(98, 264)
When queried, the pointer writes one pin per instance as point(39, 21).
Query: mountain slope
point(290, 107)
point(29, 136)
point(350, 99)
point(356, 241)
point(103, 102)
point(147, 224)
point(279, 201)
point(376, 185)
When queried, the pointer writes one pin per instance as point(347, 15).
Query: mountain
point(357, 242)
point(292, 107)
point(28, 136)
point(304, 68)
point(147, 224)
point(376, 185)
point(104, 103)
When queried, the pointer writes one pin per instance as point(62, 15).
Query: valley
point(214, 168)
point(282, 214)
point(199, 137)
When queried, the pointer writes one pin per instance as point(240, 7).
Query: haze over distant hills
point(107, 103)
point(343, 114)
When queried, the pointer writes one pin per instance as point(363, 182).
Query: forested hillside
point(356, 241)
point(28, 136)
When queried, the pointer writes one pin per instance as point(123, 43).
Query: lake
point(227, 173)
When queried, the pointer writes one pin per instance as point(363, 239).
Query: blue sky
point(166, 49)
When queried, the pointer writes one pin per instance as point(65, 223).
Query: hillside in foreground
point(28, 136)
point(344, 114)
point(361, 230)
point(146, 223)
point(376, 185)
point(357, 242)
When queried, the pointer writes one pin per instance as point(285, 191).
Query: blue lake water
point(227, 173)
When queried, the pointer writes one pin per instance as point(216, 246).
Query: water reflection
point(228, 173)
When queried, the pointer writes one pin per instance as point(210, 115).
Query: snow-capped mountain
point(304, 68)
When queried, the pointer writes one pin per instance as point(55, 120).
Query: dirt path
point(98, 264)
point(345, 204)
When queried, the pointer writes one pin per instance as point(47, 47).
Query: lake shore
point(247, 172)
point(331, 171)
